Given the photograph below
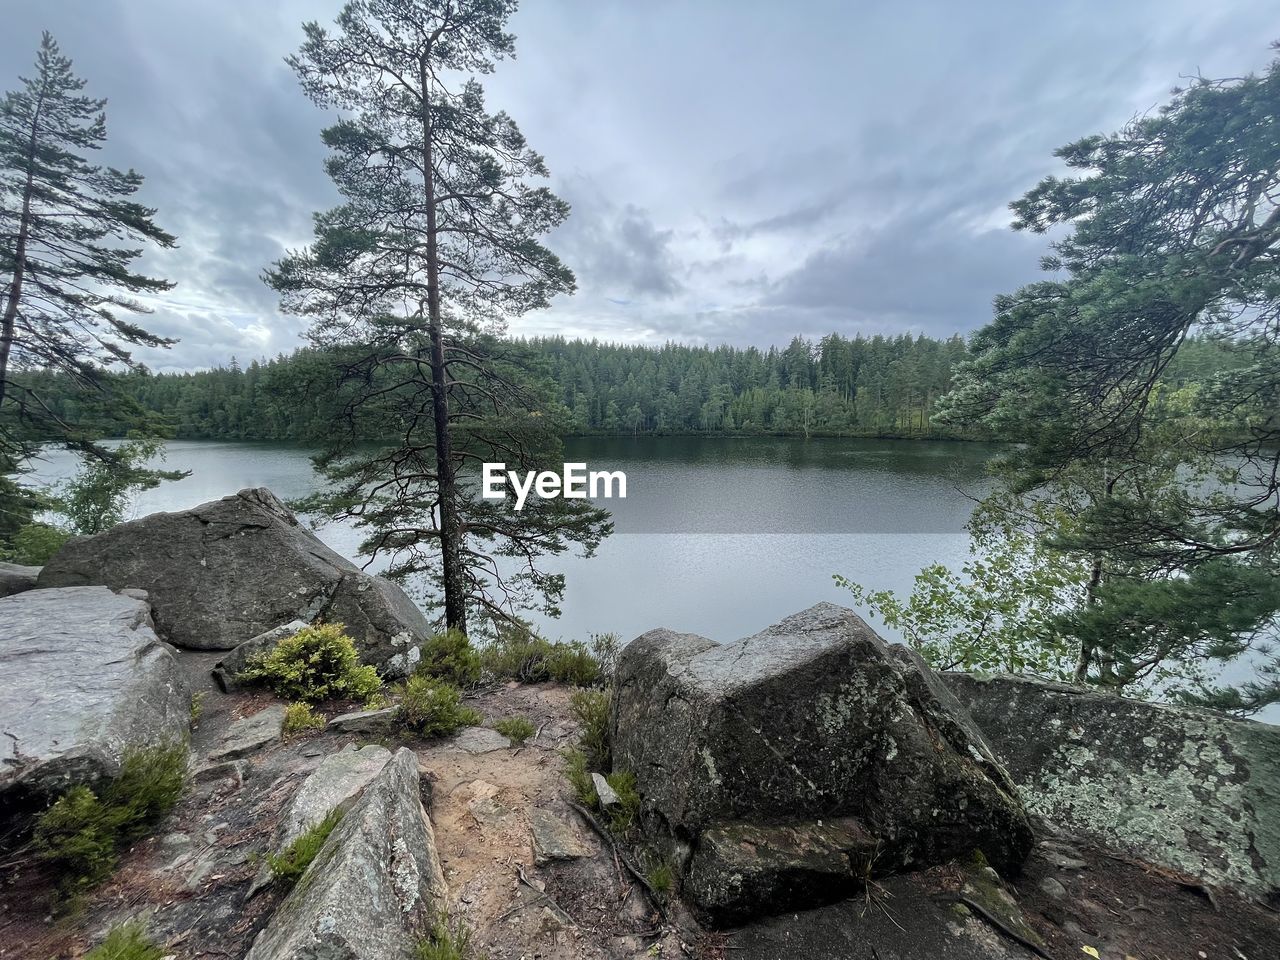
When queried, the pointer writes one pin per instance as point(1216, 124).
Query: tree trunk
point(19, 257)
point(452, 574)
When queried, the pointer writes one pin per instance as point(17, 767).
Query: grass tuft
point(126, 942)
point(288, 866)
point(300, 717)
point(515, 729)
point(447, 941)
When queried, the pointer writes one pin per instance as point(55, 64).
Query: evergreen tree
point(67, 279)
point(412, 277)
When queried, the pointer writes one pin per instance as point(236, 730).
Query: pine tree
point(67, 278)
point(415, 274)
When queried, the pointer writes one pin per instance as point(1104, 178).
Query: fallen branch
point(1003, 927)
point(621, 854)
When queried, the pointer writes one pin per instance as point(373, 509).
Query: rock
point(225, 670)
point(484, 803)
point(231, 569)
point(554, 839)
point(236, 771)
point(607, 796)
point(1190, 790)
point(741, 866)
point(814, 719)
point(15, 578)
point(365, 721)
point(85, 678)
point(249, 734)
point(1052, 887)
point(333, 785)
point(478, 740)
point(1064, 862)
point(373, 888)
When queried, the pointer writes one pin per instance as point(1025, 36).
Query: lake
point(718, 536)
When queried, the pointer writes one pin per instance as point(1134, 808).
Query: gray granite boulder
point(375, 885)
point(1189, 789)
point(226, 571)
point(815, 719)
point(15, 578)
point(85, 678)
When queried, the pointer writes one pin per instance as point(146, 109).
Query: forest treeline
point(836, 386)
point(877, 386)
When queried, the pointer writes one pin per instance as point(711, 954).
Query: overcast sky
point(740, 171)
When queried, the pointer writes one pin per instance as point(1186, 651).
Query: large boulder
point(816, 726)
point(226, 571)
point(15, 578)
point(375, 885)
point(1188, 789)
point(85, 678)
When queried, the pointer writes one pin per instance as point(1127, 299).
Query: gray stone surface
point(83, 677)
point(15, 578)
point(228, 570)
point(814, 719)
point(1189, 789)
point(607, 796)
point(225, 670)
point(332, 786)
point(480, 740)
point(554, 838)
point(250, 734)
point(365, 721)
point(373, 888)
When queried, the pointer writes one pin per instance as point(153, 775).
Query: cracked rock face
point(226, 571)
point(84, 679)
point(374, 886)
point(813, 720)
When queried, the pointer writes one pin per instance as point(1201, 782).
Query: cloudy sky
point(740, 170)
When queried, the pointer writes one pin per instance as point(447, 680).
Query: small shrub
point(126, 942)
point(197, 705)
point(289, 866)
point(316, 663)
point(591, 708)
point(515, 729)
point(579, 777)
point(81, 834)
point(661, 878)
point(300, 717)
point(447, 941)
point(378, 701)
point(517, 652)
point(431, 707)
point(623, 816)
point(450, 656)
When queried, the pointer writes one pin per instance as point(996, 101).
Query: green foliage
point(591, 710)
point(447, 941)
point(623, 815)
point(300, 717)
point(197, 705)
point(517, 652)
point(288, 866)
point(317, 663)
point(126, 942)
point(80, 835)
point(96, 498)
point(35, 544)
point(662, 878)
point(515, 729)
point(432, 708)
point(579, 777)
point(1001, 612)
point(450, 656)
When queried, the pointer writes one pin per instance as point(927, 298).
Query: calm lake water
point(717, 536)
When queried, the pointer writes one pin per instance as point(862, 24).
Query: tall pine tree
point(413, 278)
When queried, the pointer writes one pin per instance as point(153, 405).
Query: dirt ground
point(191, 880)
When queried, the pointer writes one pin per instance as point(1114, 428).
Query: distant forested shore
point(836, 386)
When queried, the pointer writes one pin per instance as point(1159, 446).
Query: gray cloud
point(735, 175)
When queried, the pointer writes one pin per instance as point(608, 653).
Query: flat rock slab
point(555, 838)
point(249, 734)
point(375, 885)
point(365, 721)
point(479, 740)
point(83, 678)
point(333, 785)
point(226, 571)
